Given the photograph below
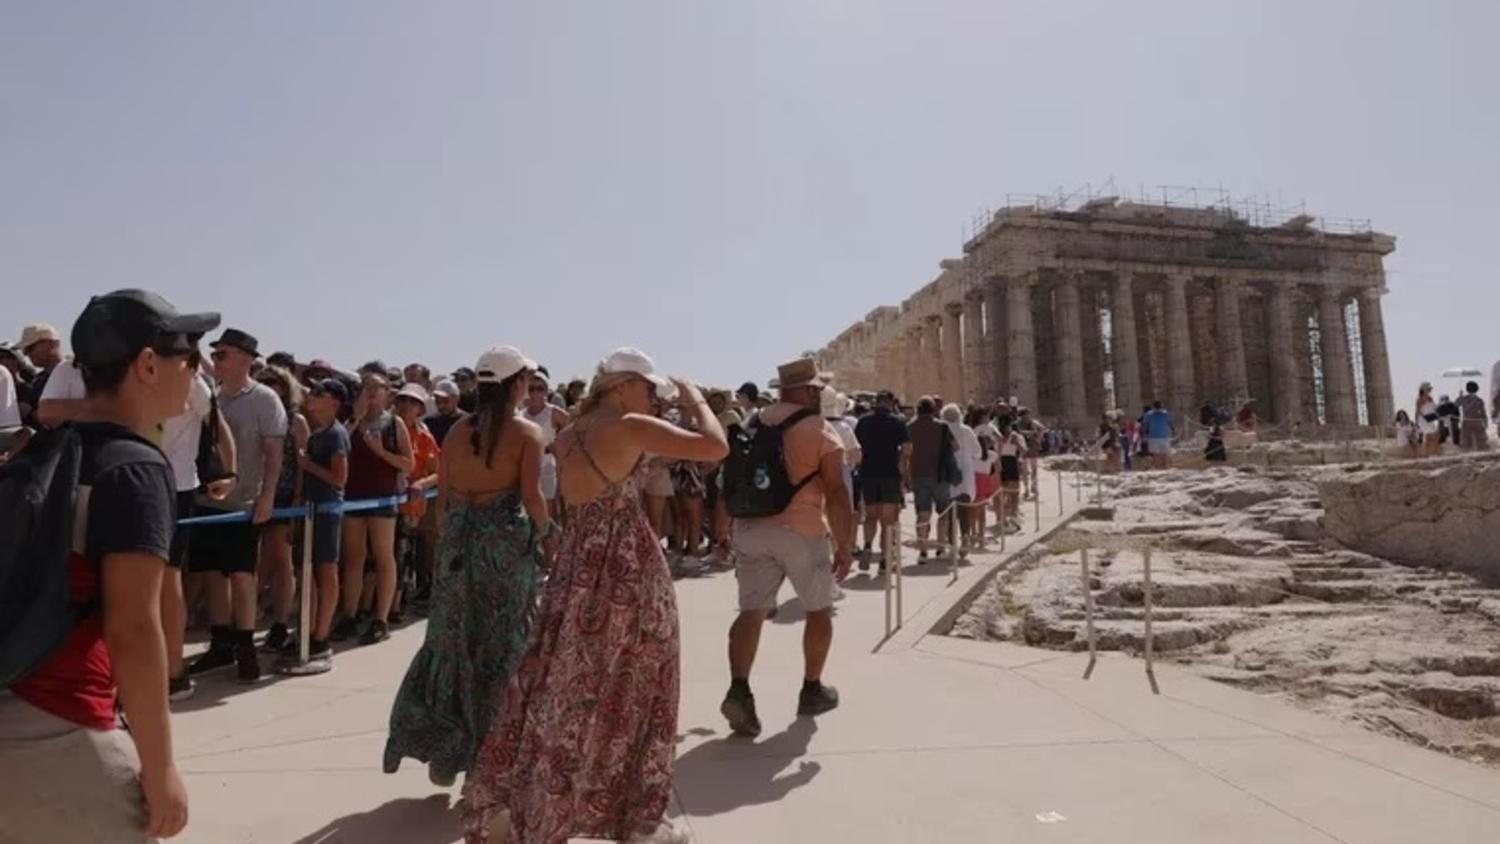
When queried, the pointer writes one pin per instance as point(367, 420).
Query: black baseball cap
point(115, 326)
point(749, 389)
point(329, 387)
point(237, 339)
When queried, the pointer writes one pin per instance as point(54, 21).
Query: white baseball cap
point(446, 387)
point(637, 362)
point(500, 363)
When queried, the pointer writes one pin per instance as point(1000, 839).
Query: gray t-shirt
point(254, 416)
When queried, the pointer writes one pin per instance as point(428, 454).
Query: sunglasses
point(536, 388)
point(169, 347)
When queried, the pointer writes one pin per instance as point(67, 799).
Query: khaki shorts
point(766, 553)
point(62, 782)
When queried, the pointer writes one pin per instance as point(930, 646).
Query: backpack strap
point(786, 425)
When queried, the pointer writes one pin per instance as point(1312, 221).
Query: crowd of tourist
point(1440, 421)
point(537, 529)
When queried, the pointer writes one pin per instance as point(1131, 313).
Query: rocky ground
point(1248, 590)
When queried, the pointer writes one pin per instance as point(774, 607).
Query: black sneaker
point(395, 617)
point(278, 637)
point(180, 688)
point(219, 655)
point(247, 662)
point(319, 649)
point(739, 710)
point(815, 700)
point(347, 628)
point(376, 632)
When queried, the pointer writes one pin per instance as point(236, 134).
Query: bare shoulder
point(527, 429)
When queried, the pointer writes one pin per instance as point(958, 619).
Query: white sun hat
point(500, 363)
point(636, 362)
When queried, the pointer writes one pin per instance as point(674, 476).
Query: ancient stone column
point(996, 329)
point(975, 360)
point(1072, 407)
point(1338, 371)
point(953, 352)
point(1124, 350)
point(914, 370)
point(1286, 379)
point(1182, 398)
point(932, 354)
point(1231, 340)
point(1020, 338)
point(1380, 398)
point(1093, 351)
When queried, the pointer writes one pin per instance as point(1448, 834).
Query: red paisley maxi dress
point(585, 741)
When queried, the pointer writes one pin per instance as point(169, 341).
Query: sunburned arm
point(673, 443)
point(836, 499)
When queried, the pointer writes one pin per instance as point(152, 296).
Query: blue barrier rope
point(299, 512)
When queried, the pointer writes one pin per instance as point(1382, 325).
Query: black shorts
point(179, 552)
point(854, 481)
point(881, 491)
point(327, 536)
point(227, 549)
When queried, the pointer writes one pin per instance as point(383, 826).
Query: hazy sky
point(723, 184)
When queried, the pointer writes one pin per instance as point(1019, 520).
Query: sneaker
point(247, 662)
point(395, 617)
point(219, 655)
point(440, 778)
point(277, 638)
point(739, 710)
point(922, 557)
point(376, 632)
point(347, 628)
point(180, 688)
point(817, 699)
point(319, 649)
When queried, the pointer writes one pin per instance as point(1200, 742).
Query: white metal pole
point(1150, 639)
point(1088, 614)
point(304, 625)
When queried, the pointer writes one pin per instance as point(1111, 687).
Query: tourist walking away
point(1010, 450)
point(181, 438)
point(1427, 422)
point(781, 533)
point(67, 771)
point(932, 468)
point(275, 567)
point(985, 485)
point(834, 408)
point(1033, 430)
point(885, 446)
point(1448, 420)
point(968, 452)
point(1159, 430)
point(550, 419)
point(489, 562)
point(379, 458)
point(1475, 420)
point(324, 463)
point(225, 556)
point(584, 743)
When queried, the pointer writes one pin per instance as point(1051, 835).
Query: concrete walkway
point(937, 740)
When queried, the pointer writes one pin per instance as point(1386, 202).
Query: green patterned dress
point(485, 581)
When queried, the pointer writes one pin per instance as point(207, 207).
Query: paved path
point(937, 740)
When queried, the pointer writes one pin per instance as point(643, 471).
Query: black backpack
point(756, 481)
point(38, 500)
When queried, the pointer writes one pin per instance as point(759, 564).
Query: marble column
point(1286, 379)
point(1093, 351)
point(1182, 397)
point(1380, 398)
point(1338, 371)
point(997, 326)
point(932, 354)
point(953, 352)
point(1020, 338)
point(1124, 350)
point(914, 371)
point(1072, 407)
point(975, 360)
point(1231, 341)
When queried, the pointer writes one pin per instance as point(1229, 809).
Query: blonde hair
point(952, 413)
point(603, 384)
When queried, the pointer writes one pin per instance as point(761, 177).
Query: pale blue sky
point(724, 184)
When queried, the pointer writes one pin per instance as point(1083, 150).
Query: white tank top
point(543, 420)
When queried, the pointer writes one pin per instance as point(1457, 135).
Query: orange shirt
point(424, 456)
point(806, 444)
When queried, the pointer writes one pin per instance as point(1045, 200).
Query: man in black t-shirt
point(138, 357)
point(883, 444)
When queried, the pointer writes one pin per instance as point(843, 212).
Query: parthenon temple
point(1113, 304)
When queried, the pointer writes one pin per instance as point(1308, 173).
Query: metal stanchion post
point(1036, 506)
point(1059, 493)
point(1150, 639)
point(1004, 527)
point(954, 538)
point(885, 540)
point(1088, 614)
point(896, 564)
point(304, 625)
point(1078, 485)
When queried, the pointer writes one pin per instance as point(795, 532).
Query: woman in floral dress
point(585, 741)
point(485, 577)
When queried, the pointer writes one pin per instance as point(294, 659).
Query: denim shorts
point(930, 494)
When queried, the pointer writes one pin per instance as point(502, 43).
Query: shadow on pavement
point(405, 820)
point(712, 782)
